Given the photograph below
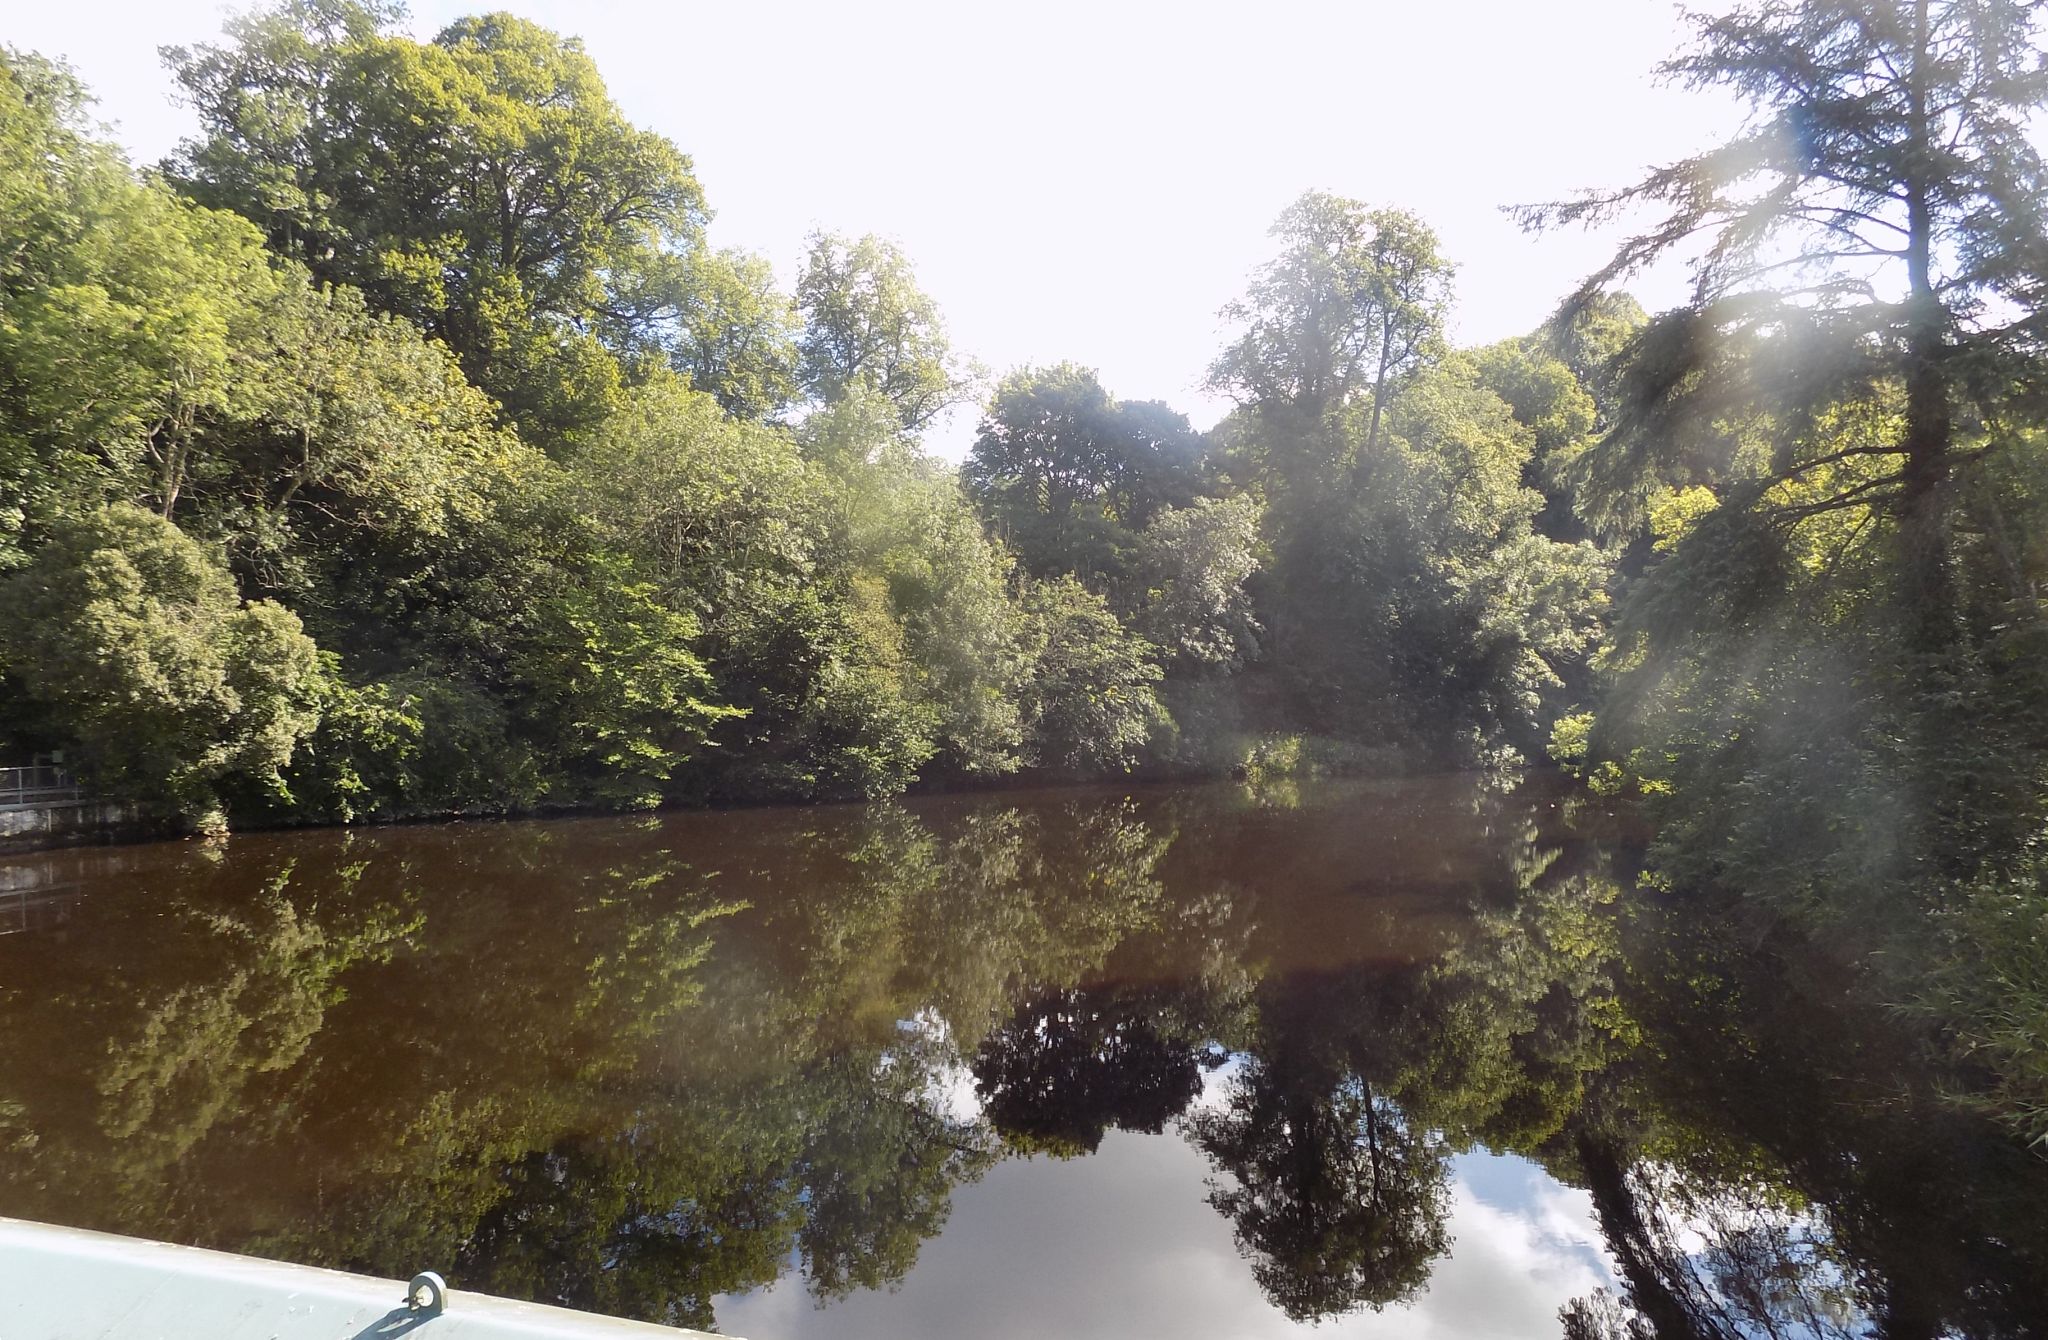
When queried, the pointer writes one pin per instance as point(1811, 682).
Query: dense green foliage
point(419, 350)
point(1826, 681)
point(132, 632)
point(482, 185)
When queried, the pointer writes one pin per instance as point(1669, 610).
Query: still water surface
point(1212, 1061)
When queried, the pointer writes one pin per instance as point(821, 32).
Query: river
point(1370, 1059)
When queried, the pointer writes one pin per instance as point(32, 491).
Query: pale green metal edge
point(70, 1284)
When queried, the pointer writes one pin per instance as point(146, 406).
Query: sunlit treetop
point(1877, 222)
point(1355, 296)
point(867, 322)
point(483, 184)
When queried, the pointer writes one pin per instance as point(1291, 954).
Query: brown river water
point(1377, 1059)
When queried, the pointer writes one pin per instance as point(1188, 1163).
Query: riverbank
point(38, 825)
point(1260, 761)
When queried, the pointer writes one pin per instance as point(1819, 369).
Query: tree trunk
point(1928, 594)
point(1641, 1259)
point(1928, 603)
point(1379, 386)
point(172, 479)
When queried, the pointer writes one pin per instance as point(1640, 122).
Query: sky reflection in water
point(1122, 1244)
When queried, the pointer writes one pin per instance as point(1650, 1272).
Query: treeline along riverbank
point(405, 446)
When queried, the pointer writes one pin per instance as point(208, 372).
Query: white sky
point(1083, 181)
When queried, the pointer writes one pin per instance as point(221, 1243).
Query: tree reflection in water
point(632, 1066)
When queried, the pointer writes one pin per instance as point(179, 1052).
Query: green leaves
point(608, 668)
point(1089, 703)
point(1065, 474)
point(131, 639)
point(483, 185)
point(867, 323)
point(735, 334)
point(1349, 310)
point(125, 308)
point(1189, 595)
point(1808, 445)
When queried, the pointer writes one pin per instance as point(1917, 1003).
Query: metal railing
point(38, 784)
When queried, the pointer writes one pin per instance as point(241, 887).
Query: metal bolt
point(427, 1294)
